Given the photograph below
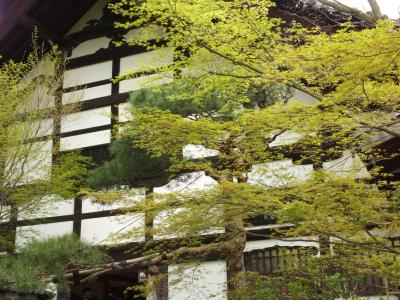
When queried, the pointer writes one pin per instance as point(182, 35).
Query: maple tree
point(235, 69)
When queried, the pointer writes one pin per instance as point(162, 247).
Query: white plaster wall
point(163, 218)
point(87, 94)
point(202, 281)
point(90, 46)
point(44, 67)
point(86, 119)
point(188, 182)
point(28, 130)
point(185, 183)
point(88, 205)
point(124, 114)
point(347, 165)
point(111, 230)
point(27, 233)
point(192, 151)
point(286, 138)
point(42, 128)
point(279, 173)
point(145, 33)
point(42, 97)
point(29, 163)
point(4, 214)
point(85, 140)
point(147, 60)
point(303, 97)
point(50, 206)
point(135, 84)
point(87, 74)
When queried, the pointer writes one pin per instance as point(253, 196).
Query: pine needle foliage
point(44, 261)
point(128, 166)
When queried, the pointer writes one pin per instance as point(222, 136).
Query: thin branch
point(234, 61)
point(234, 75)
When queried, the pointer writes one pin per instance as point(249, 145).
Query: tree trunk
point(235, 257)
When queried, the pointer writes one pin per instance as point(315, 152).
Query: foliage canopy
point(33, 174)
point(234, 70)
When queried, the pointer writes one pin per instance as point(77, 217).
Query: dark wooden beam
point(86, 130)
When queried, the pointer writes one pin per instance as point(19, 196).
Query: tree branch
point(350, 10)
point(375, 9)
point(297, 85)
point(385, 129)
point(145, 261)
point(234, 61)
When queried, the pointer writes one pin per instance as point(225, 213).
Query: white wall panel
point(145, 33)
point(147, 60)
point(29, 163)
point(42, 128)
point(186, 183)
point(303, 97)
point(279, 173)
point(90, 46)
point(145, 81)
point(88, 205)
point(85, 140)
point(86, 119)
point(27, 233)
point(4, 214)
point(87, 94)
point(286, 138)
point(87, 74)
point(34, 129)
point(124, 112)
point(191, 151)
point(108, 230)
point(202, 281)
point(50, 206)
point(163, 218)
point(347, 165)
point(42, 97)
